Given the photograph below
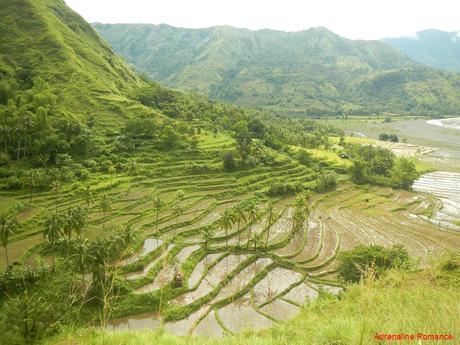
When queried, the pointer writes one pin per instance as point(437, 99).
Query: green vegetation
point(313, 72)
point(121, 198)
point(357, 263)
point(362, 311)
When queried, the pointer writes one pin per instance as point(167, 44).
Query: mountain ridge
point(311, 72)
point(436, 48)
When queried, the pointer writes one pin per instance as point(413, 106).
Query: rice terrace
point(238, 212)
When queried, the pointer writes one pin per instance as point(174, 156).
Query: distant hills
point(312, 72)
point(431, 47)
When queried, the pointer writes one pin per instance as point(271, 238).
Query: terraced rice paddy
point(250, 275)
point(446, 187)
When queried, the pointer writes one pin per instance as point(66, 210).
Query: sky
point(355, 19)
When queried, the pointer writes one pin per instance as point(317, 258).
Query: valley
point(221, 185)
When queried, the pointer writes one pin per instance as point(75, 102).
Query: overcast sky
point(356, 19)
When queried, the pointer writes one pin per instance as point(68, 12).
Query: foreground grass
point(402, 302)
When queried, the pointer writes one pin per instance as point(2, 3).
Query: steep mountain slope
point(46, 39)
point(431, 47)
point(313, 71)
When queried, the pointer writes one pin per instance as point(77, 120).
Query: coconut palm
point(112, 171)
point(226, 223)
point(255, 241)
point(272, 216)
point(29, 181)
point(207, 233)
point(239, 216)
point(81, 257)
point(8, 226)
point(56, 188)
point(53, 232)
point(158, 205)
point(104, 204)
point(74, 221)
point(178, 210)
point(88, 194)
point(180, 195)
point(253, 216)
point(99, 252)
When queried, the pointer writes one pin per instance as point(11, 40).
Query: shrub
point(229, 162)
point(353, 264)
point(326, 182)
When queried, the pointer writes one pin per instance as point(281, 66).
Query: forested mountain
point(309, 72)
point(45, 46)
point(431, 47)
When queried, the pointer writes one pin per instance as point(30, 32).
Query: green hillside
point(311, 72)
point(47, 40)
point(434, 48)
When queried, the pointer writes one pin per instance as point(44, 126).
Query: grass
point(401, 302)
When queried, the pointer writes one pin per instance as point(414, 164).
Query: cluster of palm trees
point(241, 213)
point(57, 226)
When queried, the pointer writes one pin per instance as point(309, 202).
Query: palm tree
point(100, 254)
point(132, 167)
point(180, 195)
point(239, 216)
point(178, 210)
point(104, 204)
point(157, 204)
point(253, 215)
point(29, 181)
point(256, 241)
point(56, 188)
point(88, 194)
point(75, 221)
point(226, 223)
point(112, 171)
point(207, 233)
point(8, 226)
point(272, 215)
point(81, 257)
point(53, 231)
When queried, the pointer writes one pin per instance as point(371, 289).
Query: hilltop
point(312, 72)
point(46, 40)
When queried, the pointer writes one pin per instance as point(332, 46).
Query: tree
point(29, 181)
point(253, 216)
point(88, 195)
point(358, 172)
point(239, 216)
point(56, 188)
point(112, 171)
point(243, 140)
point(53, 232)
point(81, 257)
point(207, 233)
point(229, 162)
point(169, 138)
point(74, 221)
point(8, 226)
point(178, 210)
point(157, 204)
point(104, 204)
point(404, 173)
point(272, 215)
point(226, 223)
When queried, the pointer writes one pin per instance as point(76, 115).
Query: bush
point(326, 182)
point(229, 162)
point(353, 264)
point(285, 188)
